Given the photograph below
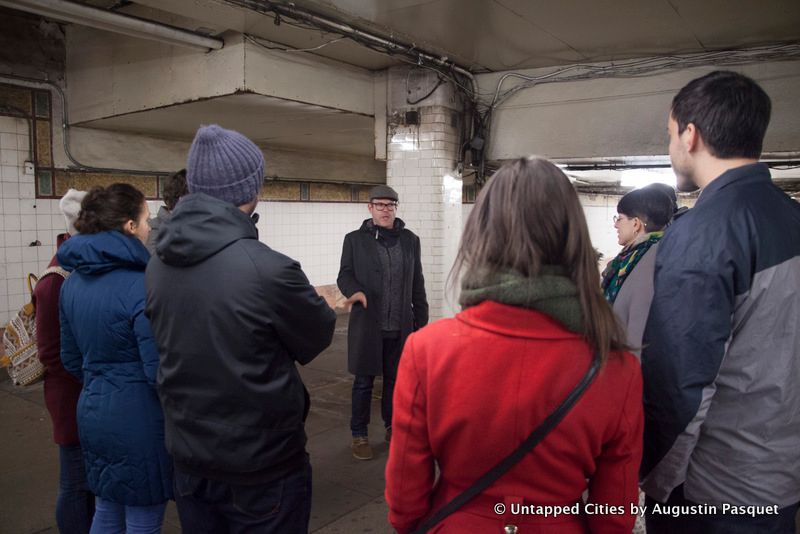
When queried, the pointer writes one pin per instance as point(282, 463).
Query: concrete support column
point(421, 167)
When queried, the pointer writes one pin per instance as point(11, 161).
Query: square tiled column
point(421, 167)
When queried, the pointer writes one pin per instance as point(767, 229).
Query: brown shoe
point(361, 448)
point(388, 436)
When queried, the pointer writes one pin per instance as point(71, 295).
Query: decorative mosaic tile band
point(84, 181)
point(44, 153)
point(15, 101)
point(276, 190)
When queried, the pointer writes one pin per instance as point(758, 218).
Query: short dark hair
point(730, 111)
point(174, 188)
point(109, 208)
point(651, 205)
point(668, 190)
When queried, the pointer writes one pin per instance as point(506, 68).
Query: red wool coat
point(470, 389)
point(61, 389)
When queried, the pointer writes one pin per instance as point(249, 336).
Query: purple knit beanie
point(225, 165)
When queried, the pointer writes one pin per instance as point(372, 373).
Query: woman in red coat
point(470, 389)
point(75, 502)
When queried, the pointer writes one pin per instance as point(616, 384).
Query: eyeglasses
point(617, 218)
point(383, 206)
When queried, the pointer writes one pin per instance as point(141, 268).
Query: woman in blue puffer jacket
point(106, 342)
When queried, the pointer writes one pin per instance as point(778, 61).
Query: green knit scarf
point(551, 293)
point(620, 267)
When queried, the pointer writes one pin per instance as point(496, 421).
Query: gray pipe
point(114, 22)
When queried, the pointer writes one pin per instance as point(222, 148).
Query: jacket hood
point(200, 227)
point(102, 252)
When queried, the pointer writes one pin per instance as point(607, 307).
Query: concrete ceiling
point(267, 121)
point(514, 34)
point(482, 35)
point(495, 35)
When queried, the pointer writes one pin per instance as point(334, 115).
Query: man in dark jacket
point(720, 363)
point(231, 317)
point(174, 188)
point(381, 276)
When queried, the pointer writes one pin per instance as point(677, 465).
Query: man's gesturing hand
point(358, 296)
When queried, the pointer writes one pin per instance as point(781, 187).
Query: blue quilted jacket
point(106, 342)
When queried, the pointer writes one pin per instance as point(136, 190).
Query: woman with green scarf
point(470, 389)
point(627, 282)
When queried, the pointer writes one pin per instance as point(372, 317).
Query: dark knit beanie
point(224, 164)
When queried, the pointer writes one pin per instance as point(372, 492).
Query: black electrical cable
point(439, 82)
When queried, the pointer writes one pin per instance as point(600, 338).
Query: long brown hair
point(528, 215)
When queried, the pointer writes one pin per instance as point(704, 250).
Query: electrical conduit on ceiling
point(114, 22)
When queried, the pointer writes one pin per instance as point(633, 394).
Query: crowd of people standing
point(171, 372)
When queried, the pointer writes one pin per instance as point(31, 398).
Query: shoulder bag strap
point(509, 461)
point(31, 280)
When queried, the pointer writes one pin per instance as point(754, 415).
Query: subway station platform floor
point(347, 493)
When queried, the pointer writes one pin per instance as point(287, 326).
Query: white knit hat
point(70, 205)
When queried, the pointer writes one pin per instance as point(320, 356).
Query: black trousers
point(688, 523)
point(362, 389)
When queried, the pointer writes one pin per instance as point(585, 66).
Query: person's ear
point(129, 227)
point(690, 137)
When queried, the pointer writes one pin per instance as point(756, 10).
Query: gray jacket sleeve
point(685, 341)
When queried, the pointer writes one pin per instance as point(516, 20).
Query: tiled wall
point(599, 211)
point(304, 220)
point(25, 219)
point(311, 233)
point(420, 157)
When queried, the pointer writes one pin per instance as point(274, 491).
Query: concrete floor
point(348, 494)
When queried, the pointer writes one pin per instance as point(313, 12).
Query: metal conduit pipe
point(345, 29)
point(101, 19)
point(36, 83)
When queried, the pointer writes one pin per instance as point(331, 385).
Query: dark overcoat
point(361, 270)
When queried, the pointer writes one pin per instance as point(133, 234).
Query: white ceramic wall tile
point(28, 222)
point(30, 254)
point(10, 189)
point(13, 254)
point(27, 190)
point(9, 173)
point(43, 219)
point(27, 206)
point(8, 141)
point(311, 233)
point(19, 222)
